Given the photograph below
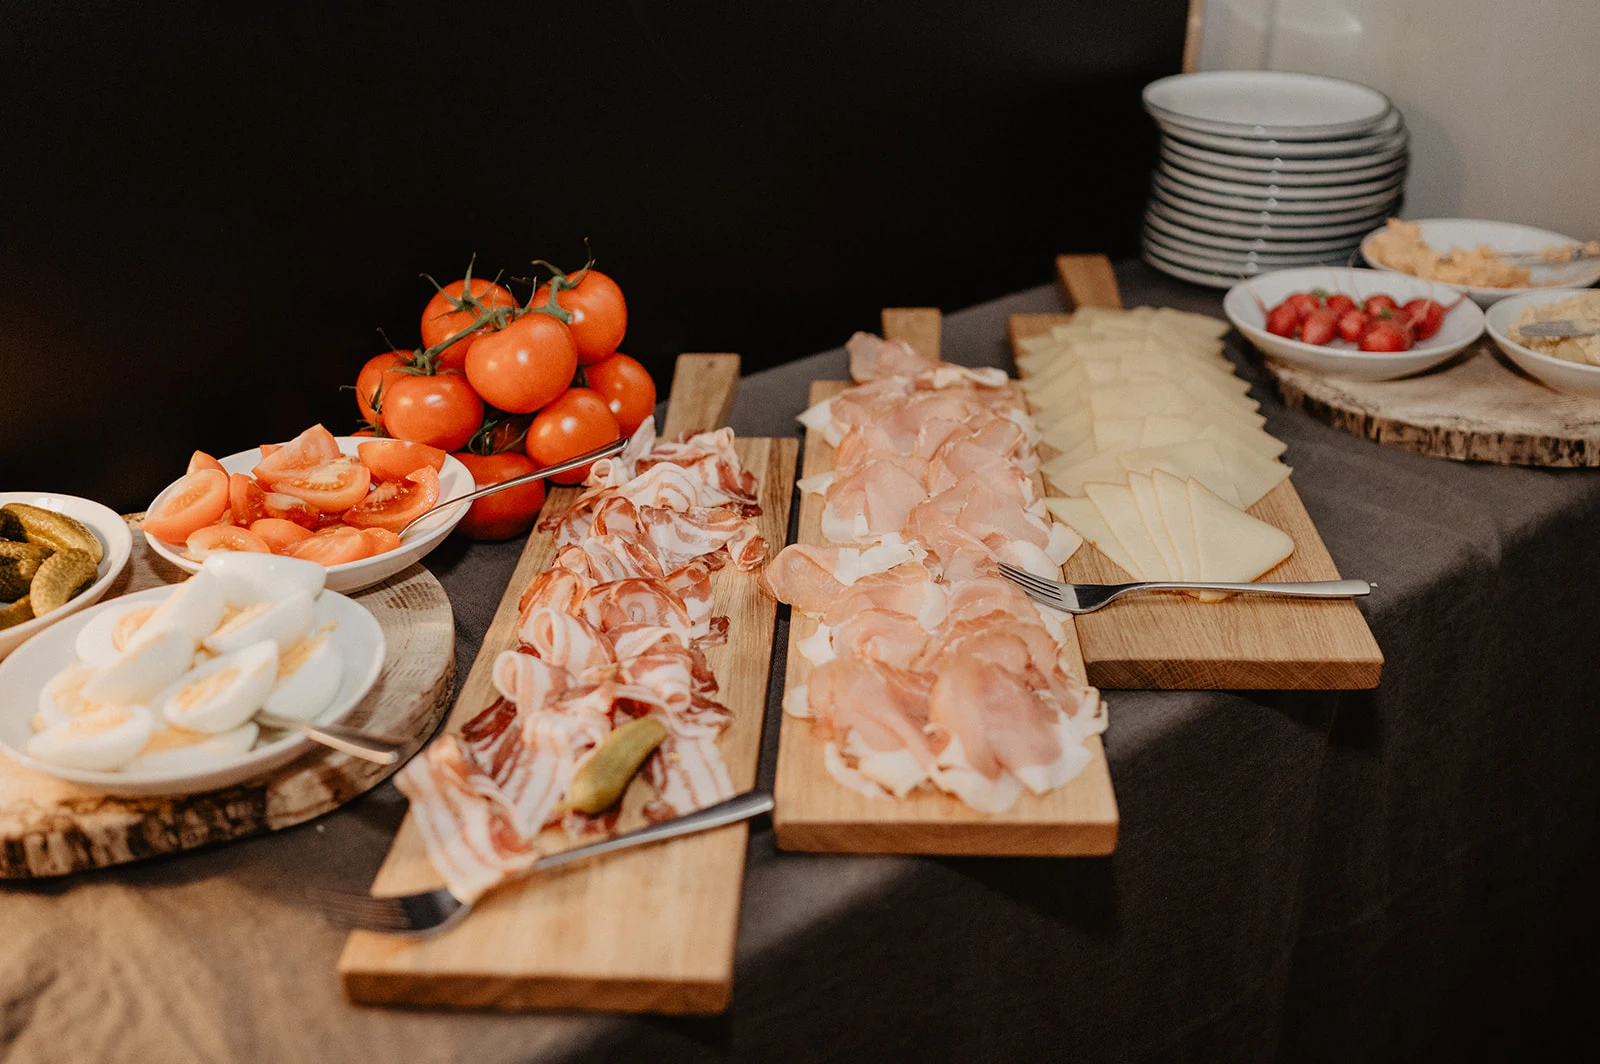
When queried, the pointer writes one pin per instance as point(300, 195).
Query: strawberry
point(1379, 302)
point(1304, 303)
point(1351, 324)
point(1283, 320)
point(1341, 303)
point(1386, 334)
point(1427, 316)
point(1320, 326)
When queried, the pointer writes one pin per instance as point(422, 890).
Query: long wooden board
point(1174, 642)
point(648, 930)
point(815, 812)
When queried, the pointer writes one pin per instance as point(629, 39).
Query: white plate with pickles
point(42, 531)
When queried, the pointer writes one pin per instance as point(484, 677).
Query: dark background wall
point(207, 209)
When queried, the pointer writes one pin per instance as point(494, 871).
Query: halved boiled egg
point(173, 749)
point(308, 678)
point(224, 692)
point(100, 740)
point(285, 622)
point(61, 698)
point(248, 578)
point(112, 631)
point(195, 606)
point(143, 669)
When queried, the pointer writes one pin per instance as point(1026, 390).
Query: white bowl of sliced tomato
point(340, 501)
point(1358, 324)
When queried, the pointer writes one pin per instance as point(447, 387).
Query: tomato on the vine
point(523, 366)
point(440, 410)
point(450, 311)
point(579, 421)
point(627, 388)
point(372, 383)
point(599, 313)
point(507, 513)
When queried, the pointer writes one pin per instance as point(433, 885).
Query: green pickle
point(18, 563)
point(54, 530)
point(599, 783)
point(16, 613)
point(63, 575)
point(10, 528)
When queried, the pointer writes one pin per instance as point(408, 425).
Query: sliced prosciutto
point(612, 631)
point(929, 669)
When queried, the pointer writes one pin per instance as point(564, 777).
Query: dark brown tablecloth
point(1383, 875)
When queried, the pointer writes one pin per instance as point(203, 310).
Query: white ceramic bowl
point(1442, 234)
point(1254, 225)
point(1388, 138)
point(1574, 378)
point(1462, 325)
point(1272, 191)
point(1177, 232)
point(1186, 167)
point(1319, 202)
point(1293, 164)
point(357, 636)
point(112, 532)
point(1267, 103)
point(454, 480)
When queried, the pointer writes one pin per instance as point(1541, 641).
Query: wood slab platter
point(1478, 408)
point(49, 827)
point(815, 812)
point(647, 930)
point(1173, 642)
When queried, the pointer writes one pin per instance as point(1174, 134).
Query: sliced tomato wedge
point(197, 500)
point(215, 538)
point(270, 449)
point(278, 534)
point(308, 450)
point(246, 499)
point(328, 486)
point(380, 540)
point(200, 460)
point(332, 546)
point(395, 504)
point(289, 508)
point(393, 459)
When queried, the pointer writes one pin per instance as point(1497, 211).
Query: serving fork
point(1086, 598)
point(432, 911)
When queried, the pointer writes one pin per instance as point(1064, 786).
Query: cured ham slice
point(930, 670)
point(611, 631)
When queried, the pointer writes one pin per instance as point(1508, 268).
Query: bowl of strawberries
point(1366, 325)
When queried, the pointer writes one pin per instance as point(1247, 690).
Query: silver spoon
point(614, 447)
point(368, 746)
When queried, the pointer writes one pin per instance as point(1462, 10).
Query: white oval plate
point(1273, 228)
point(1462, 325)
point(1291, 165)
point(1267, 103)
point(1388, 137)
point(1274, 204)
point(1359, 220)
point(454, 481)
point(1442, 234)
point(1178, 232)
point(1574, 378)
point(1184, 273)
point(23, 675)
point(1393, 170)
point(1201, 257)
point(1270, 190)
point(112, 532)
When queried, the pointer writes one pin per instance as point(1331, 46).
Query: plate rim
point(1317, 131)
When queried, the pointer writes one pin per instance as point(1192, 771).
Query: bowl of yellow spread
point(1470, 256)
point(1567, 364)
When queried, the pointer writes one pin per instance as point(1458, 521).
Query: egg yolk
point(101, 720)
point(67, 690)
point(127, 625)
point(242, 617)
point(173, 738)
point(206, 688)
point(289, 663)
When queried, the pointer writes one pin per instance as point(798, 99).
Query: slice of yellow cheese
point(1232, 546)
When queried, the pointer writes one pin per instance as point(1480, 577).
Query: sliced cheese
point(1066, 429)
point(1121, 514)
point(1197, 459)
point(1144, 497)
point(1117, 434)
point(1253, 474)
point(1172, 497)
point(1061, 465)
point(1233, 546)
point(1082, 517)
point(1162, 429)
point(1103, 466)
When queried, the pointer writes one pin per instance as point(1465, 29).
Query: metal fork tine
point(1023, 577)
point(358, 909)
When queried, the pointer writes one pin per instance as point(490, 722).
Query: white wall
point(1502, 97)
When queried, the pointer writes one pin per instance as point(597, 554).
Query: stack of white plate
point(1262, 170)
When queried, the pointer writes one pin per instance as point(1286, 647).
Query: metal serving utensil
point(433, 911)
point(368, 746)
point(1560, 329)
point(614, 447)
point(1086, 598)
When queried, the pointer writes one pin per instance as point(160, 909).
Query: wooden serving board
point(815, 812)
point(647, 930)
point(1175, 642)
point(1478, 408)
point(49, 827)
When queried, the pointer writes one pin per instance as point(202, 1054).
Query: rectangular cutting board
point(647, 930)
point(1245, 642)
point(815, 812)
